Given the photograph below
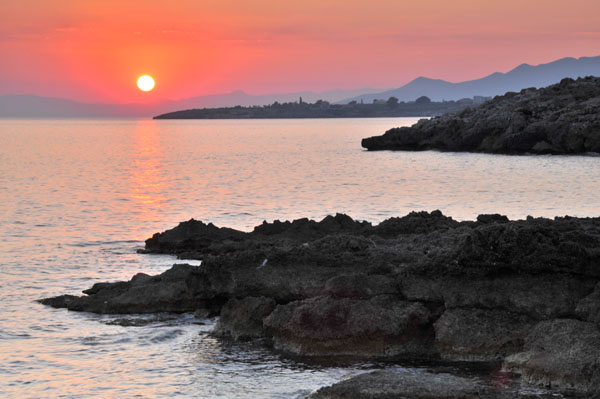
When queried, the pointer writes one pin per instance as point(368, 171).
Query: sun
point(145, 83)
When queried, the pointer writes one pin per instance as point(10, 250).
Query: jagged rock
point(560, 119)
point(192, 235)
point(242, 319)
point(183, 288)
point(563, 354)
point(391, 384)
point(383, 326)
point(480, 335)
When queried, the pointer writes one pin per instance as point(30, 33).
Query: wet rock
point(384, 326)
point(563, 354)
point(183, 288)
point(388, 384)
point(242, 319)
point(480, 335)
point(560, 119)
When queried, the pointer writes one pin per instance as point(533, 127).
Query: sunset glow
point(91, 49)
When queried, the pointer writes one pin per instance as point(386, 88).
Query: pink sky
point(95, 50)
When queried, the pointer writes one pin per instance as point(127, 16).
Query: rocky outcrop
point(560, 119)
point(421, 286)
point(183, 288)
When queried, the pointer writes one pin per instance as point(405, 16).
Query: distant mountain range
point(32, 106)
point(521, 77)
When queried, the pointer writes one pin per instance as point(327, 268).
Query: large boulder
point(242, 319)
point(383, 326)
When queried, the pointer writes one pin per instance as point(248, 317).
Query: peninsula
point(390, 107)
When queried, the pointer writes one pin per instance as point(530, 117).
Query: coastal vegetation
point(390, 107)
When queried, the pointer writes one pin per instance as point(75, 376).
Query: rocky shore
point(524, 295)
point(560, 119)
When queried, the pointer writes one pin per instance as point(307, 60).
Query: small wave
point(166, 336)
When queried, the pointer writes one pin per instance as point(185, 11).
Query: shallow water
point(78, 197)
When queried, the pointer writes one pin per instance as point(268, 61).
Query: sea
point(78, 197)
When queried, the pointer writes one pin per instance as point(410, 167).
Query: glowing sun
point(145, 83)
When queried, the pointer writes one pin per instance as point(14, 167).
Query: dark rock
point(391, 384)
point(183, 288)
point(538, 297)
point(563, 354)
point(361, 286)
point(189, 236)
point(422, 285)
point(383, 326)
point(492, 218)
point(242, 319)
point(589, 307)
point(480, 335)
point(560, 119)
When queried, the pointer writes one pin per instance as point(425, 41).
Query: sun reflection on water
point(148, 180)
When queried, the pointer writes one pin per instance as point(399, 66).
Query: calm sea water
point(78, 197)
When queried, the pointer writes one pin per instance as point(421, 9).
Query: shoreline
point(524, 294)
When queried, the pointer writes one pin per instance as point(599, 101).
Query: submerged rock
point(389, 384)
point(560, 119)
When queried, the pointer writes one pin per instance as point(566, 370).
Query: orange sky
point(95, 50)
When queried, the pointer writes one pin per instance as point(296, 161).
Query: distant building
point(300, 102)
point(379, 101)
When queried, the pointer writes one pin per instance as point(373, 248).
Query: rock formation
point(560, 119)
point(525, 293)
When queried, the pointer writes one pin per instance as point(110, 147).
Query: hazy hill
point(32, 106)
point(523, 76)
